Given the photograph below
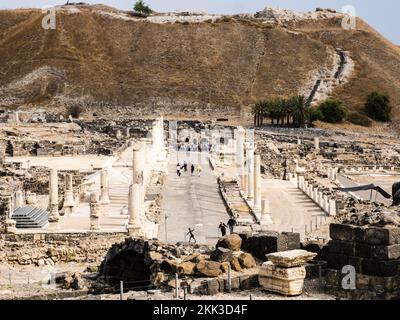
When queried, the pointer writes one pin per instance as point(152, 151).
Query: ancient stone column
point(137, 169)
point(257, 183)
point(69, 202)
point(265, 213)
point(134, 210)
point(53, 184)
point(332, 207)
point(104, 197)
point(240, 156)
point(316, 143)
point(250, 173)
point(94, 212)
point(19, 199)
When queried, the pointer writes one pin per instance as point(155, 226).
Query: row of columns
point(249, 169)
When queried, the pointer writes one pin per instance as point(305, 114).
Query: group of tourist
point(194, 169)
point(222, 227)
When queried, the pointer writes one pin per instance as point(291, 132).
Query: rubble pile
point(156, 263)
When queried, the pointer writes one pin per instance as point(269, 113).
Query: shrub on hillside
point(332, 111)
point(359, 119)
point(378, 107)
point(75, 111)
point(316, 115)
point(141, 7)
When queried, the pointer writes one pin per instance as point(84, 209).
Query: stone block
point(235, 283)
point(267, 242)
point(232, 242)
point(356, 262)
point(333, 277)
point(221, 255)
point(213, 287)
point(343, 232)
point(382, 236)
point(209, 268)
point(380, 268)
point(363, 250)
point(390, 252)
point(342, 247)
point(198, 287)
point(291, 258)
point(235, 264)
point(269, 269)
point(246, 260)
point(381, 252)
point(286, 281)
point(337, 261)
point(248, 281)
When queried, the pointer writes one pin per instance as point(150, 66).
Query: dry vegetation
point(225, 63)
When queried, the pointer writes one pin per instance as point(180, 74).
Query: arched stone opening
point(128, 266)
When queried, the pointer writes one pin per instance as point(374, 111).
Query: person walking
point(231, 224)
point(185, 166)
point(192, 169)
point(191, 235)
point(178, 170)
point(199, 170)
point(222, 227)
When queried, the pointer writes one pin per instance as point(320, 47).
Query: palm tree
point(301, 110)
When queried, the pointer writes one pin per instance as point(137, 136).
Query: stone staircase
point(30, 217)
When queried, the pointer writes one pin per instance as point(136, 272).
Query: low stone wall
point(239, 281)
point(49, 249)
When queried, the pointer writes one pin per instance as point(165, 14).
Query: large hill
point(201, 65)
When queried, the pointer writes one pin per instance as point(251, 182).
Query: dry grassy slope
point(224, 63)
point(377, 61)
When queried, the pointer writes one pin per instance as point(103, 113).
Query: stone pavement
point(290, 208)
point(191, 201)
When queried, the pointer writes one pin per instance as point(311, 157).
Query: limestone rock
point(286, 281)
point(224, 267)
point(169, 265)
point(209, 268)
point(186, 268)
point(235, 264)
point(232, 242)
point(221, 255)
point(291, 258)
point(246, 260)
point(191, 257)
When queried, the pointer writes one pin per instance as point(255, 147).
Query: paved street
point(191, 201)
point(290, 208)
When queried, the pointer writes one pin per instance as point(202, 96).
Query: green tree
point(301, 110)
point(378, 107)
point(333, 111)
point(141, 7)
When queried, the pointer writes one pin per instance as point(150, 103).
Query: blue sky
point(382, 15)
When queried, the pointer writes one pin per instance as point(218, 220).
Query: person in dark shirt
point(231, 224)
point(222, 227)
point(191, 235)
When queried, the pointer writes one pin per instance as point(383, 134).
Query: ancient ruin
point(172, 189)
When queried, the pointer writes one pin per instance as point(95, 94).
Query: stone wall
point(374, 252)
point(49, 249)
